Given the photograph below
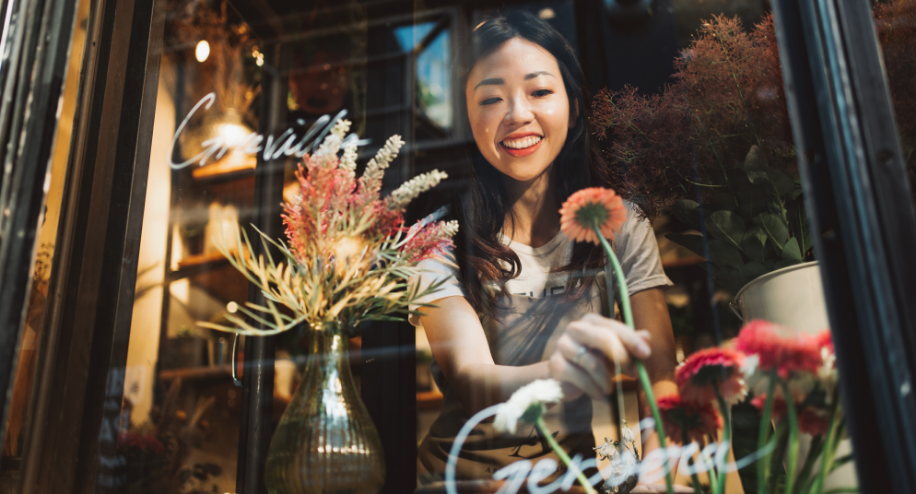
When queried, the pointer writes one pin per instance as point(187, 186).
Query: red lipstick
point(519, 153)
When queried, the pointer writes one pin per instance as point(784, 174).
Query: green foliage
point(753, 224)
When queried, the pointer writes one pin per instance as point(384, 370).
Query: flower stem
point(763, 466)
point(793, 440)
point(563, 456)
point(726, 433)
point(641, 369)
point(690, 463)
point(829, 449)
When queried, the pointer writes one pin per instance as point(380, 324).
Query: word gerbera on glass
point(349, 256)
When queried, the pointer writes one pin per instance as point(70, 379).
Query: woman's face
point(518, 108)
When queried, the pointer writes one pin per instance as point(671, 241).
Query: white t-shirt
point(635, 246)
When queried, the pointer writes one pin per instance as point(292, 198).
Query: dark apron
point(526, 334)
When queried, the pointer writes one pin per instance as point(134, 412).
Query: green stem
point(829, 449)
point(640, 368)
point(763, 466)
point(793, 439)
point(690, 464)
point(563, 456)
point(805, 481)
point(726, 434)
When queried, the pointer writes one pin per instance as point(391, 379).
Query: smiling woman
point(522, 301)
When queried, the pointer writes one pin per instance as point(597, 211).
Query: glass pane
point(896, 25)
point(17, 419)
point(677, 106)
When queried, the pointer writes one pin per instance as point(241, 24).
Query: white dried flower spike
point(331, 143)
point(371, 181)
point(412, 188)
point(527, 404)
point(450, 228)
point(607, 451)
point(348, 160)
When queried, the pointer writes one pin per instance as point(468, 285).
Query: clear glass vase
point(326, 442)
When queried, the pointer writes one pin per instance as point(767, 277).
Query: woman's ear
point(574, 114)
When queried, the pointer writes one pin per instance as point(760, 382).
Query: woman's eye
point(489, 101)
point(540, 93)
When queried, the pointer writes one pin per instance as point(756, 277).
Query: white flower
point(749, 367)
point(827, 373)
point(628, 435)
point(607, 451)
point(527, 404)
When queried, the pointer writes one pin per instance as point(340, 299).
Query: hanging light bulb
point(202, 51)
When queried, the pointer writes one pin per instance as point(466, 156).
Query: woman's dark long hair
point(484, 261)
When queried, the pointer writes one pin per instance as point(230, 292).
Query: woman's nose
point(519, 110)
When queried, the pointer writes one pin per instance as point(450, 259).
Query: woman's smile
point(521, 144)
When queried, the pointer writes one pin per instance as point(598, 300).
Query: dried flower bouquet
point(349, 256)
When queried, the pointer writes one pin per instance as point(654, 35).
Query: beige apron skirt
point(526, 334)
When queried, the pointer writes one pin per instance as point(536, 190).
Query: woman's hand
point(585, 356)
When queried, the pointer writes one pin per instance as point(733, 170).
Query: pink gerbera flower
point(699, 420)
point(703, 372)
point(780, 348)
point(590, 207)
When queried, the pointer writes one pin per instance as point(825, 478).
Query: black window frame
point(848, 147)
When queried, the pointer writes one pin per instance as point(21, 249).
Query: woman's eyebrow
point(498, 81)
point(536, 74)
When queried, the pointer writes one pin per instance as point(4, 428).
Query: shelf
point(681, 262)
point(196, 264)
point(429, 400)
point(197, 373)
point(233, 165)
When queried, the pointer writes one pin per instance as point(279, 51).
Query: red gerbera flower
point(699, 420)
point(780, 348)
point(588, 207)
point(708, 369)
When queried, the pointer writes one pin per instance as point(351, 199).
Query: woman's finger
point(563, 371)
point(581, 356)
point(636, 342)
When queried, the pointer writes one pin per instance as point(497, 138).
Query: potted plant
point(714, 149)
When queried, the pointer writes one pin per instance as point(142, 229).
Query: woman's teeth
point(524, 142)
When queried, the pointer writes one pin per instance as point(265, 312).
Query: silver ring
point(582, 351)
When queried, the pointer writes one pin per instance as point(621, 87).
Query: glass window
point(358, 240)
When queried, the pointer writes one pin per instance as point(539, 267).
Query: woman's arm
point(459, 344)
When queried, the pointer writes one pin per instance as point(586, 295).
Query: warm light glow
point(547, 13)
point(232, 307)
point(233, 134)
point(202, 51)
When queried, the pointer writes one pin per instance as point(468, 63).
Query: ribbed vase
point(326, 442)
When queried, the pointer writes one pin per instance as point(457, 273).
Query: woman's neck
point(534, 217)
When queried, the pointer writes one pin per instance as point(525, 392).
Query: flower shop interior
point(117, 374)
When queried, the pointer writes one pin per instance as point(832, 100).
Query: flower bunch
point(350, 255)
point(794, 379)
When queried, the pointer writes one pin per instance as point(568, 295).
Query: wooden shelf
point(197, 373)
point(683, 262)
point(429, 400)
